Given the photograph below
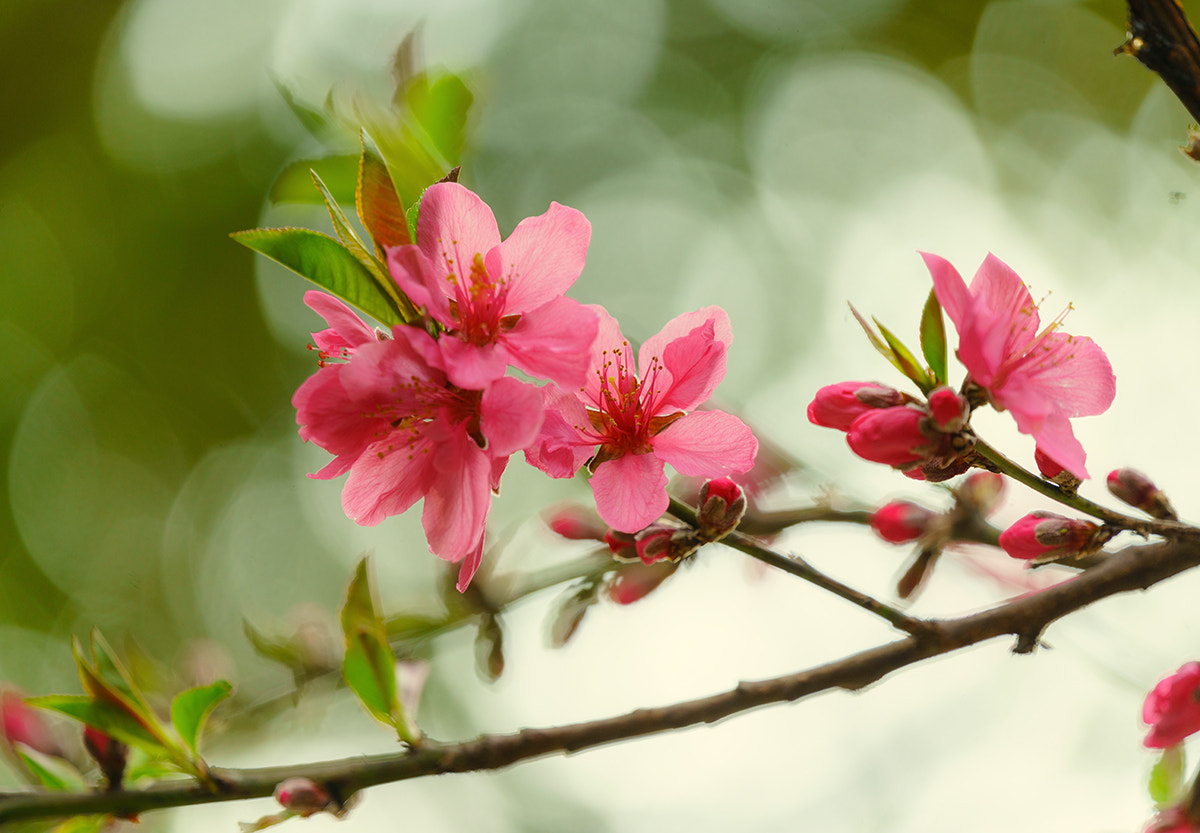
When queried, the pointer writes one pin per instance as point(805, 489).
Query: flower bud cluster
point(883, 425)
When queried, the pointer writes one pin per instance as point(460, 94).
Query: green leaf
point(933, 338)
point(314, 121)
point(1166, 778)
point(294, 183)
point(378, 205)
point(109, 717)
point(51, 772)
point(84, 824)
point(190, 709)
point(369, 667)
point(327, 263)
point(440, 109)
point(905, 360)
point(875, 340)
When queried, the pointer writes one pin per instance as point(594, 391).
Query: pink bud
point(1172, 708)
point(1138, 490)
point(623, 545)
point(1055, 473)
point(575, 523)
point(837, 406)
point(302, 796)
point(1040, 534)
point(948, 410)
point(901, 521)
point(633, 582)
point(25, 725)
point(981, 490)
point(892, 436)
point(722, 505)
point(108, 753)
point(665, 543)
point(1171, 820)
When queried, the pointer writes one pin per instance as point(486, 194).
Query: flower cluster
point(430, 412)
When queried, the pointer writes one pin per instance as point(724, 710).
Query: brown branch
point(1134, 568)
point(1163, 40)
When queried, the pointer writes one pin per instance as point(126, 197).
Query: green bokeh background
point(767, 156)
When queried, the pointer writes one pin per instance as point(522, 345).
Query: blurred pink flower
point(626, 425)
point(404, 432)
point(1172, 710)
point(1043, 378)
point(503, 301)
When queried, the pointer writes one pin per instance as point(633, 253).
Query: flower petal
point(459, 495)
point(630, 491)
point(387, 480)
point(694, 361)
point(346, 329)
point(1071, 373)
point(707, 444)
point(510, 415)
point(554, 341)
point(542, 257)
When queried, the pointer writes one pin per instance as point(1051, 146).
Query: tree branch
point(1134, 568)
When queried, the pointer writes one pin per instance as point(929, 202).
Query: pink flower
point(1042, 378)
point(503, 301)
point(626, 425)
point(1172, 709)
point(404, 432)
point(1040, 534)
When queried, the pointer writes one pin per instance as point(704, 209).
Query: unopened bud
point(633, 582)
point(1044, 535)
point(722, 504)
point(893, 436)
point(23, 724)
point(948, 410)
point(901, 521)
point(623, 545)
point(303, 796)
point(109, 754)
point(575, 523)
point(1139, 491)
point(837, 406)
point(1055, 473)
point(981, 491)
point(666, 543)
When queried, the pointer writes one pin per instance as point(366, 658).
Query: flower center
point(478, 306)
point(623, 417)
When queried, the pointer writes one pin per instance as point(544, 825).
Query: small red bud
point(303, 796)
point(722, 505)
point(901, 521)
point(633, 582)
point(948, 410)
point(981, 490)
point(109, 754)
point(893, 436)
point(1055, 473)
point(575, 523)
point(22, 723)
point(1044, 534)
point(1139, 491)
point(836, 406)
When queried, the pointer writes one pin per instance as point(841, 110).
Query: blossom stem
point(1168, 529)
point(797, 566)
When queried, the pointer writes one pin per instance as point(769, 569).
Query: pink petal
point(1056, 439)
point(561, 449)
point(694, 359)
point(473, 366)
point(1002, 320)
point(707, 444)
point(542, 257)
point(469, 565)
point(510, 415)
point(630, 491)
point(333, 420)
point(421, 281)
point(459, 495)
point(386, 480)
point(455, 225)
point(950, 288)
point(344, 322)
point(554, 341)
point(1070, 373)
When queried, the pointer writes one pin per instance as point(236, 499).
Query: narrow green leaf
point(314, 121)
point(933, 338)
point(294, 183)
point(51, 772)
point(905, 360)
point(1167, 777)
point(354, 245)
point(378, 205)
point(327, 263)
point(113, 671)
point(190, 709)
point(875, 340)
point(369, 667)
point(276, 650)
point(441, 110)
point(108, 717)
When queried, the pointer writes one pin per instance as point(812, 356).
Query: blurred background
point(776, 158)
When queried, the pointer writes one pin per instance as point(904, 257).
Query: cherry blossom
point(403, 431)
point(626, 425)
point(1043, 378)
point(502, 302)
